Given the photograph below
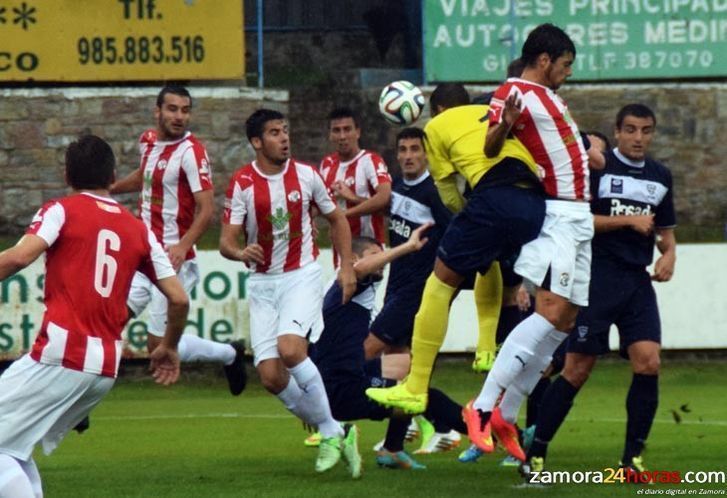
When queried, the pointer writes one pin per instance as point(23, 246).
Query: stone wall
point(36, 126)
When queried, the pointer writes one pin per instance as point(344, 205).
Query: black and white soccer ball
point(401, 103)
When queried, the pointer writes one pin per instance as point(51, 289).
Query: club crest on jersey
point(617, 186)
point(204, 167)
point(294, 196)
point(564, 279)
point(349, 181)
point(279, 219)
point(162, 164)
point(651, 189)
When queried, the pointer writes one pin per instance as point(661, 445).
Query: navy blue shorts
point(620, 296)
point(507, 269)
point(348, 400)
point(395, 322)
point(495, 223)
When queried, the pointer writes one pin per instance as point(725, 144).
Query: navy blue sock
point(444, 413)
point(554, 407)
point(510, 316)
point(534, 400)
point(641, 403)
point(395, 433)
point(372, 367)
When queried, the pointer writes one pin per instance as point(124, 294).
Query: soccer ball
point(401, 103)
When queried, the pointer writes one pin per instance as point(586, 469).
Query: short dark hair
point(90, 163)
point(360, 244)
point(448, 95)
point(515, 68)
point(636, 110)
point(342, 113)
point(411, 132)
point(255, 124)
point(174, 90)
point(546, 38)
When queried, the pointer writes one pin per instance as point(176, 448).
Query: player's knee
point(273, 380)
point(577, 372)
point(648, 365)
point(291, 356)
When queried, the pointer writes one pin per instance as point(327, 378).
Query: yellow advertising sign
point(111, 40)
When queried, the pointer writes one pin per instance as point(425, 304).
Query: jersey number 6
point(106, 265)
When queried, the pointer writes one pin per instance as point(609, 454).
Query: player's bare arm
point(130, 183)
point(21, 255)
point(596, 159)
point(164, 360)
point(666, 242)
point(230, 246)
point(205, 210)
point(378, 202)
point(643, 223)
point(497, 134)
point(374, 262)
point(341, 238)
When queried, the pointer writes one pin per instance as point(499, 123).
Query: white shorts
point(143, 292)
point(288, 303)
point(42, 403)
point(563, 247)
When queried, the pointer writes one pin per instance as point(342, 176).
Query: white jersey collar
point(626, 160)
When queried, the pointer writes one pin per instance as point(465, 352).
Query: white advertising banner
point(693, 312)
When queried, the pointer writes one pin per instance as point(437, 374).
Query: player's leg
point(640, 331)
point(488, 292)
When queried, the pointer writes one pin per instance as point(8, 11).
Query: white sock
point(290, 396)
point(194, 348)
point(31, 470)
point(529, 377)
point(514, 355)
point(314, 402)
point(14, 482)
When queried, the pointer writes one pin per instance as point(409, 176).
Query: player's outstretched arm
point(374, 262)
point(378, 202)
point(22, 254)
point(130, 183)
point(164, 360)
point(497, 133)
point(596, 159)
point(341, 238)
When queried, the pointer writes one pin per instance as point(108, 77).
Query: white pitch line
point(721, 423)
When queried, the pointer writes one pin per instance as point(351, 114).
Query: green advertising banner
point(474, 40)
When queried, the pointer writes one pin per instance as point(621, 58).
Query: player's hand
point(643, 223)
point(416, 239)
point(512, 110)
point(523, 299)
point(177, 254)
point(252, 253)
point(347, 281)
point(343, 191)
point(164, 365)
point(664, 268)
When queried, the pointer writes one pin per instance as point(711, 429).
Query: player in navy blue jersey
point(415, 201)
point(633, 211)
point(339, 353)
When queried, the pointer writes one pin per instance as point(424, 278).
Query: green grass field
point(194, 440)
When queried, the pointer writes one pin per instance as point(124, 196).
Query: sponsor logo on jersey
point(109, 208)
point(400, 227)
point(204, 167)
point(619, 208)
point(279, 219)
point(294, 196)
point(617, 186)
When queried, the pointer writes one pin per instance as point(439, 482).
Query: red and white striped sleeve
point(497, 104)
point(47, 222)
point(235, 207)
point(321, 194)
point(375, 170)
point(196, 167)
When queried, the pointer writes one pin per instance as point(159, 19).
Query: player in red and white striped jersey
point(93, 247)
point(358, 177)
point(269, 202)
point(558, 262)
point(177, 204)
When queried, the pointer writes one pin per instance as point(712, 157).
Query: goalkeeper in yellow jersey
point(505, 210)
